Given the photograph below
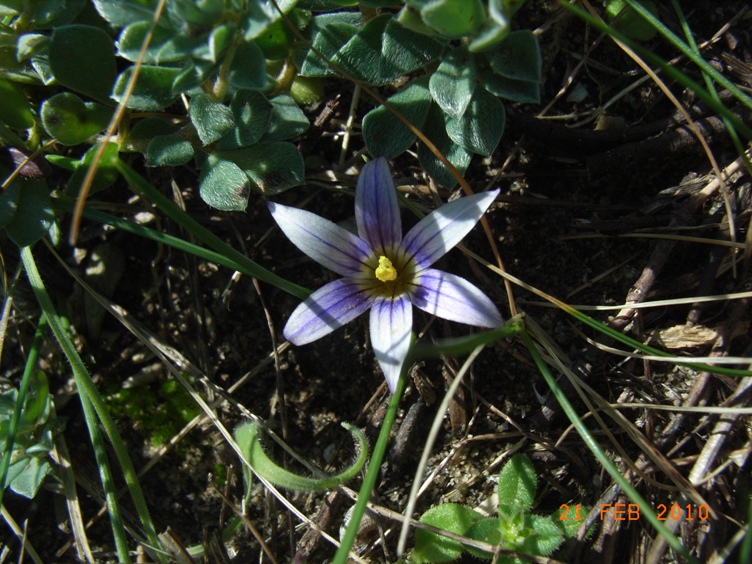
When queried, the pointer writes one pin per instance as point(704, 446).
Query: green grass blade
point(166, 239)
point(88, 390)
point(374, 467)
point(648, 350)
point(676, 41)
point(709, 83)
point(594, 447)
point(148, 192)
point(673, 73)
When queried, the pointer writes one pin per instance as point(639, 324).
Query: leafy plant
point(32, 439)
point(516, 528)
point(456, 105)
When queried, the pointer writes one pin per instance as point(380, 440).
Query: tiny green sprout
point(247, 436)
point(515, 528)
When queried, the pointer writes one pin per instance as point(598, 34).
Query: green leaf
point(30, 45)
point(435, 130)
point(307, 90)
point(51, 14)
point(517, 57)
point(247, 437)
point(9, 203)
point(248, 68)
point(199, 13)
point(287, 120)
point(252, 113)
point(453, 83)
point(123, 12)
point(276, 41)
point(489, 37)
point(192, 76)
point(458, 346)
point(328, 40)
point(260, 14)
point(145, 130)
point(218, 41)
point(517, 483)
point(70, 121)
point(37, 403)
point(510, 89)
point(566, 518)
point(169, 150)
point(105, 176)
point(271, 167)
point(384, 134)
point(455, 18)
point(154, 87)
point(546, 538)
point(211, 119)
point(452, 517)
point(166, 45)
point(33, 215)
point(480, 128)
point(82, 58)
point(223, 184)
point(485, 530)
point(14, 110)
point(384, 50)
point(30, 473)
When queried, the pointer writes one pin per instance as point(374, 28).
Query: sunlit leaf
point(248, 68)
point(154, 87)
point(69, 120)
point(251, 112)
point(517, 484)
point(210, 118)
point(452, 517)
point(455, 18)
point(287, 120)
point(453, 83)
point(223, 185)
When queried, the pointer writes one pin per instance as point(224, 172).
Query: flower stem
point(369, 482)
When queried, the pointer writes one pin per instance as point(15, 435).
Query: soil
point(576, 220)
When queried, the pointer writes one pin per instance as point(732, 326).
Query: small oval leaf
point(154, 87)
point(69, 120)
point(223, 184)
point(480, 128)
point(82, 58)
point(211, 119)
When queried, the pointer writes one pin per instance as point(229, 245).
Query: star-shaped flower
point(383, 271)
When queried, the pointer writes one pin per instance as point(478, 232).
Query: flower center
point(385, 271)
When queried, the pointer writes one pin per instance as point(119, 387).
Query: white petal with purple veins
point(376, 209)
point(451, 297)
point(325, 242)
point(444, 227)
point(391, 324)
point(327, 309)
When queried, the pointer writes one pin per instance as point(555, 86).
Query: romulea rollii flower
point(384, 271)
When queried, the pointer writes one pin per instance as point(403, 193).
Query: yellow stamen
point(385, 271)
